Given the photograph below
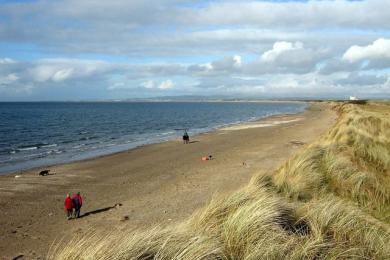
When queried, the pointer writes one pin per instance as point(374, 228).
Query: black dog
point(44, 172)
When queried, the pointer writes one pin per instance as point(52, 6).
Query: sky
point(96, 50)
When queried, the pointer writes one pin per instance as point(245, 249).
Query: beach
point(151, 185)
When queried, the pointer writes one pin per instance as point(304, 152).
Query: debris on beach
point(18, 257)
point(18, 176)
point(125, 218)
point(295, 142)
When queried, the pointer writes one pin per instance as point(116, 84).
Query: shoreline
point(102, 154)
point(163, 101)
point(156, 184)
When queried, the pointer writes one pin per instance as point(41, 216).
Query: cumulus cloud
point(227, 64)
point(359, 79)
point(8, 79)
point(183, 47)
point(165, 84)
point(279, 48)
point(56, 78)
point(148, 84)
point(303, 14)
point(122, 27)
point(291, 70)
point(375, 56)
point(6, 61)
point(44, 73)
point(285, 57)
point(59, 70)
point(379, 49)
point(138, 13)
point(337, 65)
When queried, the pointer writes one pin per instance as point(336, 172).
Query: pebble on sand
point(125, 218)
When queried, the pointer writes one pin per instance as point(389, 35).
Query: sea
point(34, 134)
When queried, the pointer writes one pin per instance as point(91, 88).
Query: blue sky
point(84, 50)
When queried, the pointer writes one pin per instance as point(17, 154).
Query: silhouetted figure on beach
point(186, 137)
point(68, 206)
point(77, 203)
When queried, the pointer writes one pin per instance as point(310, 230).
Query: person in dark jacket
point(186, 137)
point(68, 206)
point(77, 203)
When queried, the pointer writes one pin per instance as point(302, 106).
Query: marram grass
point(330, 201)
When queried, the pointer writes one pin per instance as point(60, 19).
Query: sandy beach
point(155, 184)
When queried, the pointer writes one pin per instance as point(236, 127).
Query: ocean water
point(37, 134)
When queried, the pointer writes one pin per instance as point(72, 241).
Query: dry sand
point(156, 184)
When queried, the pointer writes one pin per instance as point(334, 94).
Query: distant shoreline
point(165, 101)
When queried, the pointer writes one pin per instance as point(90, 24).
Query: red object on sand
point(205, 158)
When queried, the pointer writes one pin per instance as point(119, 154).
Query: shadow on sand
point(97, 211)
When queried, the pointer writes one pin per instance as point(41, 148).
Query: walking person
point(77, 203)
point(186, 137)
point(68, 206)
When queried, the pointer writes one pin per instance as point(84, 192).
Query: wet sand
point(155, 184)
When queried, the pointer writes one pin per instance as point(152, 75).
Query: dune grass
point(352, 161)
point(330, 201)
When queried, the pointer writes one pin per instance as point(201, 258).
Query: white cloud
point(163, 85)
point(148, 84)
point(62, 75)
point(379, 49)
point(291, 68)
point(44, 73)
point(277, 68)
point(59, 70)
point(337, 65)
point(237, 61)
point(249, 46)
point(56, 79)
point(227, 64)
point(279, 48)
point(166, 84)
point(169, 27)
point(6, 61)
point(117, 85)
point(8, 79)
point(299, 14)
point(359, 79)
point(286, 57)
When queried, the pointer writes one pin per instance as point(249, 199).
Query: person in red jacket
point(68, 206)
point(77, 203)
